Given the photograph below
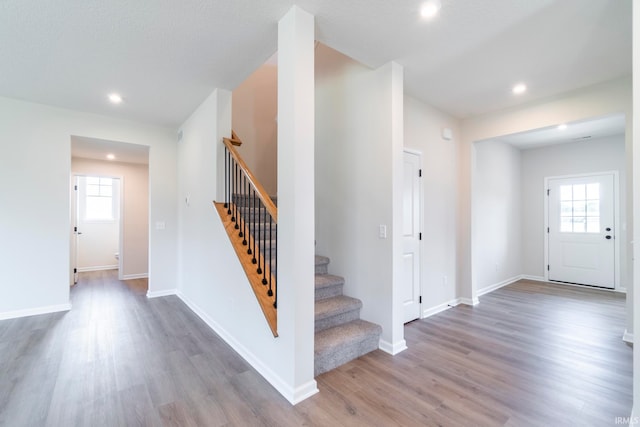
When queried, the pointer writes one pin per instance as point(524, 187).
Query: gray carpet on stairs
point(341, 335)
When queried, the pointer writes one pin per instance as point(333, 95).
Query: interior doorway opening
point(121, 170)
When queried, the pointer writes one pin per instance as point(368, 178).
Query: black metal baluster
point(242, 215)
point(245, 217)
point(264, 279)
point(233, 189)
point(228, 173)
point(256, 227)
point(267, 239)
point(261, 233)
point(235, 196)
point(226, 178)
point(252, 222)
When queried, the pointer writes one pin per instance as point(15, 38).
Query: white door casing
point(74, 230)
point(411, 225)
point(581, 229)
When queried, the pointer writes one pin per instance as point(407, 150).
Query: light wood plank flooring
point(529, 355)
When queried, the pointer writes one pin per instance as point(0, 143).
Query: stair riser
point(338, 319)
point(322, 269)
point(328, 292)
point(243, 201)
point(265, 245)
point(331, 360)
point(253, 215)
point(263, 228)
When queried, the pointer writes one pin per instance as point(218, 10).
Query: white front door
point(581, 230)
point(411, 205)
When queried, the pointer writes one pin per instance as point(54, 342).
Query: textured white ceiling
point(166, 56)
point(98, 149)
point(584, 130)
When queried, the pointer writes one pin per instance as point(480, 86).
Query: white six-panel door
point(411, 205)
point(581, 233)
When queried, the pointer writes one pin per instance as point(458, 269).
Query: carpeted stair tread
point(327, 286)
point(336, 305)
point(341, 344)
point(336, 310)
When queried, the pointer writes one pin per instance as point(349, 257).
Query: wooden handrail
point(262, 193)
point(235, 139)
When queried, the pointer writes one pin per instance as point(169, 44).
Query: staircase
point(340, 334)
point(250, 217)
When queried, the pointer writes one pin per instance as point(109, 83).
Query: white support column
point(397, 145)
point(296, 195)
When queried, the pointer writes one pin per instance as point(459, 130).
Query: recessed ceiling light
point(430, 9)
point(111, 157)
point(115, 98)
point(562, 127)
point(519, 88)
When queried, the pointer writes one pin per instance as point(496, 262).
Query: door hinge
point(420, 173)
point(75, 270)
point(75, 229)
point(548, 191)
point(548, 230)
point(419, 236)
point(420, 299)
point(75, 187)
point(548, 267)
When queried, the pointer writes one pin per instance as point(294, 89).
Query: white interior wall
point(135, 220)
point(613, 97)
point(355, 156)
point(423, 126)
point(497, 215)
point(97, 241)
point(211, 279)
point(598, 155)
point(35, 180)
point(254, 114)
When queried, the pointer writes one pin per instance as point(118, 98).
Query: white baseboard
point(35, 311)
point(468, 301)
point(304, 392)
point(165, 293)
point(498, 285)
point(439, 308)
point(394, 348)
point(534, 278)
point(135, 276)
point(627, 337)
point(97, 268)
point(294, 396)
